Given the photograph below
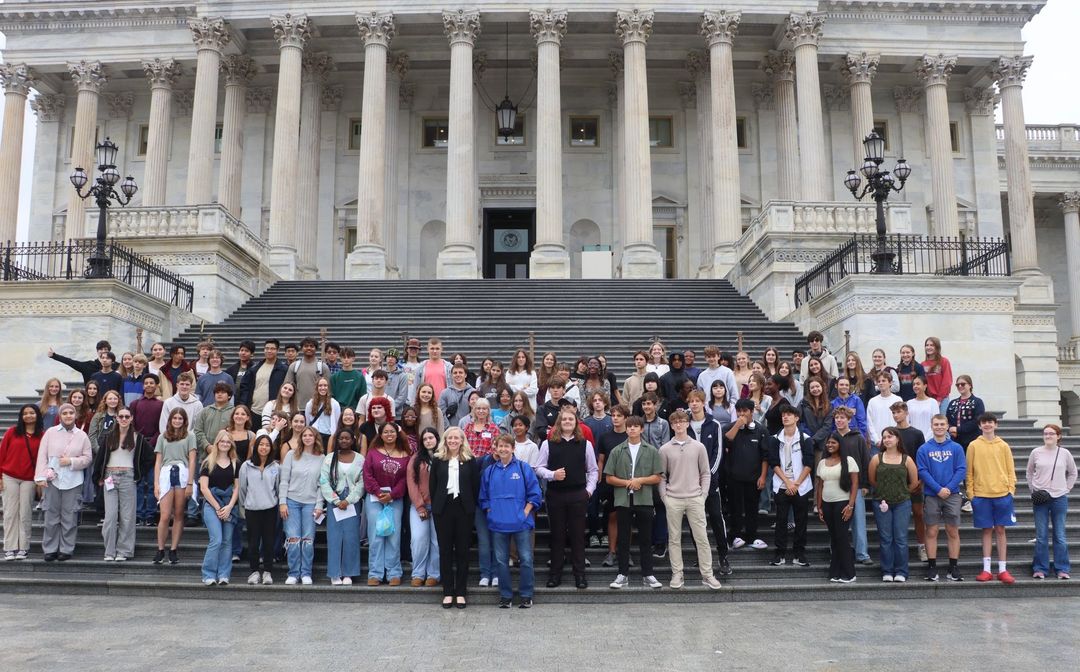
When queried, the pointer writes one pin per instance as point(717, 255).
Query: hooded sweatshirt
point(941, 465)
point(990, 468)
point(192, 406)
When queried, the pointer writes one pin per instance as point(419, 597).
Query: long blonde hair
point(47, 400)
point(212, 450)
point(298, 451)
point(443, 453)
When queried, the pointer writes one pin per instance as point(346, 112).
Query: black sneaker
point(659, 551)
point(159, 557)
point(777, 560)
point(801, 561)
point(51, 557)
point(505, 603)
point(724, 569)
point(526, 603)
point(63, 557)
point(954, 574)
point(931, 574)
point(174, 557)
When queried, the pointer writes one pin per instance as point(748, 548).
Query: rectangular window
point(954, 136)
point(584, 131)
point(660, 132)
point(518, 136)
point(144, 139)
point(881, 127)
point(740, 133)
point(436, 132)
point(219, 133)
point(354, 135)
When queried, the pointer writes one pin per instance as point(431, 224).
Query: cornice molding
point(84, 16)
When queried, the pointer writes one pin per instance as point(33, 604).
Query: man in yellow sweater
point(991, 484)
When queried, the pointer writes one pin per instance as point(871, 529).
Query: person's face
point(884, 385)
point(240, 416)
point(832, 447)
point(290, 353)
point(679, 426)
point(899, 416)
point(178, 355)
point(745, 414)
point(204, 353)
point(77, 398)
point(138, 366)
point(374, 358)
point(434, 350)
point(287, 390)
point(112, 400)
point(388, 433)
point(556, 393)
point(378, 412)
point(789, 419)
point(518, 404)
point(697, 406)
point(308, 439)
point(918, 385)
point(221, 397)
point(103, 359)
point(458, 376)
point(453, 442)
point(688, 358)
point(521, 359)
point(347, 361)
point(177, 421)
point(29, 416)
point(988, 426)
point(618, 420)
point(322, 387)
point(815, 389)
point(409, 419)
point(549, 360)
point(687, 388)
point(814, 367)
point(504, 450)
point(603, 362)
point(126, 360)
point(426, 394)
point(567, 423)
point(963, 387)
point(633, 433)
point(92, 389)
point(298, 423)
point(505, 398)
point(245, 355)
point(656, 351)
point(54, 388)
point(391, 362)
point(815, 345)
point(842, 422)
point(594, 367)
point(157, 350)
point(413, 350)
point(496, 371)
point(458, 359)
point(648, 407)
point(485, 366)
point(906, 355)
point(930, 348)
point(215, 362)
point(651, 386)
point(519, 430)
point(843, 386)
point(770, 356)
point(430, 442)
point(309, 349)
point(1050, 437)
point(270, 350)
point(754, 385)
point(677, 363)
point(597, 404)
point(67, 417)
point(784, 369)
point(712, 361)
point(348, 416)
point(879, 359)
point(640, 362)
point(264, 449)
point(344, 441)
point(770, 387)
point(224, 445)
point(756, 367)
point(850, 363)
point(939, 427)
point(482, 412)
point(796, 358)
point(718, 391)
point(331, 354)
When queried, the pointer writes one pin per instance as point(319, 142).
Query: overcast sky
point(1051, 93)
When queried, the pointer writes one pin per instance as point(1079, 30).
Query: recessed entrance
point(509, 236)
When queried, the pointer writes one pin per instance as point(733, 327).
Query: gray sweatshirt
point(259, 487)
point(300, 478)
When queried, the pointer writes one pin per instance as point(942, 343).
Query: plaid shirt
point(481, 443)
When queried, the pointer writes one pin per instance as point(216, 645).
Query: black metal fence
point(68, 261)
point(910, 255)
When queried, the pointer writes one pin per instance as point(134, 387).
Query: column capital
point(933, 70)
point(860, 68)
point(162, 73)
point(376, 28)
point(258, 99)
point(398, 64)
point(316, 65)
point(209, 33)
point(239, 69)
point(805, 28)
point(461, 26)
point(633, 25)
point(48, 106)
point(17, 78)
point(719, 26)
point(120, 104)
point(764, 96)
point(779, 65)
point(1070, 202)
point(1010, 70)
point(331, 97)
point(836, 97)
point(615, 62)
point(907, 98)
point(88, 75)
point(981, 100)
point(291, 30)
point(547, 25)
point(688, 94)
point(697, 63)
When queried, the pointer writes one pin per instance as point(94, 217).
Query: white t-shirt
point(528, 452)
point(791, 463)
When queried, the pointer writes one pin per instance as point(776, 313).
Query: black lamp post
point(506, 112)
point(99, 264)
point(879, 184)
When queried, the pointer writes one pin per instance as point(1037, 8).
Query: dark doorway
point(509, 236)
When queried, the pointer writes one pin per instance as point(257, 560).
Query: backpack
point(295, 368)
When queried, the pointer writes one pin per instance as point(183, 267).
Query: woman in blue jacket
point(509, 492)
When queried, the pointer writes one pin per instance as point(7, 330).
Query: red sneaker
point(1006, 578)
point(984, 576)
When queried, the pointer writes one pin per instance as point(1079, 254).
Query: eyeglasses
point(123, 417)
point(961, 384)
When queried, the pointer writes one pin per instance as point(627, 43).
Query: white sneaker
point(291, 581)
point(267, 579)
point(851, 580)
point(677, 581)
point(208, 582)
point(121, 558)
point(222, 582)
point(253, 578)
point(759, 545)
point(922, 553)
point(762, 512)
point(966, 508)
point(484, 583)
point(110, 558)
point(737, 543)
point(711, 582)
point(306, 580)
point(621, 581)
point(346, 580)
point(21, 555)
point(887, 578)
point(9, 555)
point(651, 581)
point(900, 578)
point(336, 581)
point(495, 582)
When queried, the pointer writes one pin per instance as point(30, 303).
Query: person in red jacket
point(939, 378)
point(18, 458)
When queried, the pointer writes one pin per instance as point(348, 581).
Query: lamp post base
point(883, 262)
point(99, 266)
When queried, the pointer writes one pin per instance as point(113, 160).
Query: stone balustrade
point(193, 220)
point(1068, 353)
point(1059, 137)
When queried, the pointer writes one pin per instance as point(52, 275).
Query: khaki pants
point(18, 511)
point(694, 510)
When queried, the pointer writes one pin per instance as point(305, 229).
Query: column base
point(457, 262)
point(283, 262)
point(725, 257)
point(366, 262)
point(549, 261)
point(1037, 288)
point(642, 261)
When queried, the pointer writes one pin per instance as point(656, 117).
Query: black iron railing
point(62, 260)
point(911, 255)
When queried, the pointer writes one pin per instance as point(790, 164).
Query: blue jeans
point(145, 505)
point(424, 544)
point(384, 553)
point(1051, 513)
point(217, 562)
point(300, 525)
point(893, 537)
point(483, 542)
point(523, 541)
point(238, 537)
point(342, 546)
point(858, 528)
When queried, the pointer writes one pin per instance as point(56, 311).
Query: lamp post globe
point(103, 191)
point(879, 184)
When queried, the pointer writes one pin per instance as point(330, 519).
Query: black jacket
point(746, 452)
point(143, 459)
point(710, 438)
point(806, 447)
point(246, 390)
point(87, 368)
point(468, 482)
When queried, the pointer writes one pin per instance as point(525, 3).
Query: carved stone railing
point(1043, 137)
point(183, 220)
point(1068, 353)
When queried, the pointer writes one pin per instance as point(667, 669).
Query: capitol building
point(507, 139)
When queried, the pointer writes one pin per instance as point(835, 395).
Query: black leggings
point(454, 529)
point(843, 556)
point(261, 528)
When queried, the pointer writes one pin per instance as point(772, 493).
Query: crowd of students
point(263, 452)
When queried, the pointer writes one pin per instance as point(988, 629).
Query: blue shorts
point(992, 512)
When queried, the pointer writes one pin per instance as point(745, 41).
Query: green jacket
point(648, 464)
point(208, 423)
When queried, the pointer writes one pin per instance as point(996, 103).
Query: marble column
point(17, 80)
point(49, 109)
point(162, 76)
point(292, 32)
point(210, 36)
point(368, 259)
point(804, 32)
point(90, 79)
point(697, 64)
point(1070, 206)
point(934, 72)
point(780, 67)
point(549, 259)
point(1010, 72)
point(315, 69)
point(617, 103)
point(640, 257)
point(979, 103)
point(718, 29)
point(397, 68)
point(458, 258)
point(859, 70)
point(239, 70)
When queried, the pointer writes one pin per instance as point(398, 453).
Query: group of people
point(266, 450)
